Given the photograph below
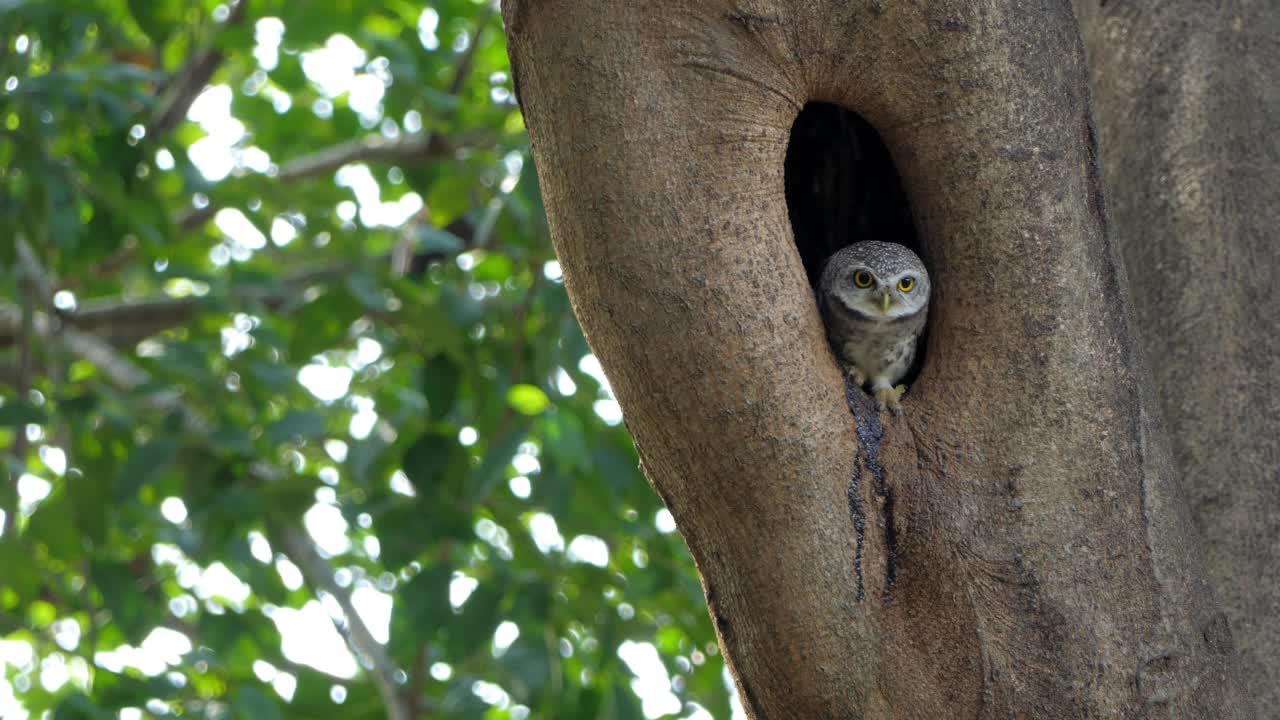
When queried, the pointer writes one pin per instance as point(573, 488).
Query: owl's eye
point(862, 279)
point(907, 284)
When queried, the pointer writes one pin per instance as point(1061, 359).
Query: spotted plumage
point(874, 298)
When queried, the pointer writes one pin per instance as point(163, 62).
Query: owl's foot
point(888, 397)
point(859, 378)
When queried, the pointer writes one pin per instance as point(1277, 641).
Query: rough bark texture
point(1187, 96)
point(1016, 545)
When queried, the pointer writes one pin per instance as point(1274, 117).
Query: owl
point(874, 298)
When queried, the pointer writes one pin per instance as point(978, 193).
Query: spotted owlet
point(874, 297)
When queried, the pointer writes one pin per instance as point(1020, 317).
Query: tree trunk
point(1016, 544)
point(1188, 94)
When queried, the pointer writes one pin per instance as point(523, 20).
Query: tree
point(288, 378)
point(1195, 214)
point(1019, 543)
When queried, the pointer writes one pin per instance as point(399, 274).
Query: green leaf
point(425, 601)
point(119, 690)
point(156, 19)
point(528, 399)
point(90, 499)
point(273, 376)
point(131, 612)
point(495, 267)
point(449, 198)
point(144, 464)
point(472, 628)
point(442, 333)
point(440, 378)
point(441, 102)
point(434, 240)
point(251, 702)
point(297, 425)
point(427, 461)
point(78, 706)
point(54, 525)
point(366, 290)
point(41, 613)
point(18, 571)
point(529, 666)
point(19, 413)
point(626, 706)
point(496, 459)
point(407, 531)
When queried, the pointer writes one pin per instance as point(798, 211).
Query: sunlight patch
point(589, 549)
point(326, 383)
point(307, 637)
point(546, 535)
point(327, 528)
point(652, 683)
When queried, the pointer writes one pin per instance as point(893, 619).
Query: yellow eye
point(906, 284)
point(862, 279)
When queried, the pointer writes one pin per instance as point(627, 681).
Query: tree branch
point(126, 375)
point(118, 369)
point(319, 575)
point(33, 290)
point(190, 81)
point(34, 272)
point(372, 148)
point(126, 321)
point(123, 322)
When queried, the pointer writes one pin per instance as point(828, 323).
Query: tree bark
point(1187, 96)
point(1014, 545)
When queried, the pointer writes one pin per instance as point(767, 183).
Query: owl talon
point(859, 378)
point(889, 397)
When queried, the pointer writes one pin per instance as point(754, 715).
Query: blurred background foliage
point(296, 419)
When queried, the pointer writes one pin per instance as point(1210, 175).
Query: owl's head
point(876, 279)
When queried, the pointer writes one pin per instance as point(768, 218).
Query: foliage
point(318, 343)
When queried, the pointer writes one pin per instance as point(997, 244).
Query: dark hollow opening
point(842, 187)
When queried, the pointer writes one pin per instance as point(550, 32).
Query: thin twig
point(123, 322)
point(418, 679)
point(507, 419)
point(29, 263)
point(126, 321)
point(463, 70)
point(187, 84)
point(32, 286)
point(127, 376)
point(369, 149)
point(319, 575)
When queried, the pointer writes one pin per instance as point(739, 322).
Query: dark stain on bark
point(725, 629)
point(513, 15)
point(1097, 205)
point(727, 640)
point(750, 21)
point(1117, 322)
point(723, 626)
point(870, 433)
point(1217, 635)
point(856, 512)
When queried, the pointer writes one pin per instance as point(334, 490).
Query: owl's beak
point(884, 304)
